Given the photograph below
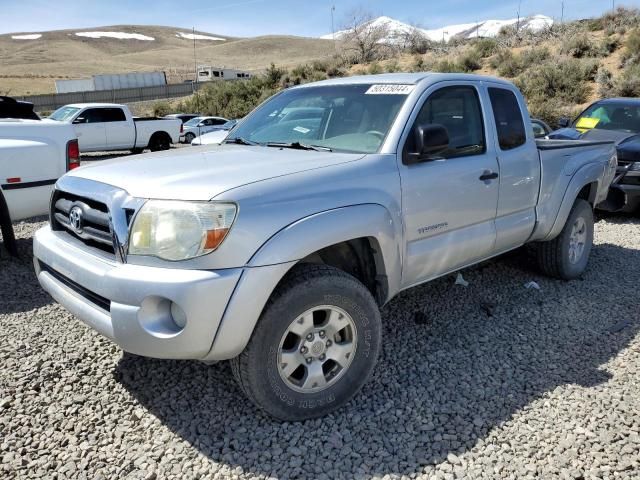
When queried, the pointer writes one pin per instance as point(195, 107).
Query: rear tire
point(314, 346)
point(159, 141)
point(567, 255)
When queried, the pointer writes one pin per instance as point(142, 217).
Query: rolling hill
point(30, 62)
point(486, 28)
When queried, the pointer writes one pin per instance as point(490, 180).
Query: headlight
point(175, 230)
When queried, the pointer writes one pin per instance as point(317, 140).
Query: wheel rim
point(577, 240)
point(317, 349)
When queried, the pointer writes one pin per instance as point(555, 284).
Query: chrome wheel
point(577, 240)
point(317, 349)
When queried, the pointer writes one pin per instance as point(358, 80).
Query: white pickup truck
point(33, 155)
point(102, 127)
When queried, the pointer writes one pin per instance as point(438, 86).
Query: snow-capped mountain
point(487, 28)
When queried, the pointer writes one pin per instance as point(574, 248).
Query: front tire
point(567, 255)
point(314, 346)
point(189, 137)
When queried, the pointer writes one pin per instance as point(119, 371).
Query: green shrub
point(392, 67)
point(604, 82)
point(234, 99)
point(609, 45)
point(534, 56)
point(485, 47)
point(507, 64)
point(564, 80)
point(551, 110)
point(632, 48)
point(628, 84)
point(580, 46)
point(374, 69)
point(160, 109)
point(418, 64)
point(447, 66)
point(470, 61)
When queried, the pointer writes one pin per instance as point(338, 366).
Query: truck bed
point(560, 162)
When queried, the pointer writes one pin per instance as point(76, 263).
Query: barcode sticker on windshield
point(390, 89)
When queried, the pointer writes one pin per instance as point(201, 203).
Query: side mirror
point(79, 120)
point(430, 140)
point(564, 122)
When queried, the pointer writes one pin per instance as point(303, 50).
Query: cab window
point(458, 110)
point(508, 118)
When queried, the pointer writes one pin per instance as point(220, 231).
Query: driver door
point(449, 201)
point(90, 130)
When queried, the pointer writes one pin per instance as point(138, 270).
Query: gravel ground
point(487, 381)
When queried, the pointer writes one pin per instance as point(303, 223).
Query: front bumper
point(131, 304)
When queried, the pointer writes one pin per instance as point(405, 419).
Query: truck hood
point(201, 173)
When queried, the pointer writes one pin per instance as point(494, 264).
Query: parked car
point(211, 138)
point(12, 108)
point(183, 117)
point(617, 120)
point(216, 136)
point(540, 128)
point(200, 125)
point(101, 127)
point(33, 155)
point(277, 249)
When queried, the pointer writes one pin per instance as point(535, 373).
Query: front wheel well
point(360, 258)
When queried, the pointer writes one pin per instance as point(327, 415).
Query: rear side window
point(509, 123)
point(458, 110)
point(113, 115)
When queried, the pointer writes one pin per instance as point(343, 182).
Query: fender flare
point(315, 232)
point(6, 227)
point(586, 175)
point(283, 250)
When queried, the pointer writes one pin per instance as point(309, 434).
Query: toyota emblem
point(75, 219)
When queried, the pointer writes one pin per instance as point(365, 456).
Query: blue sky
point(258, 17)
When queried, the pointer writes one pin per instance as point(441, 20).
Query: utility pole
point(195, 60)
point(195, 68)
point(333, 28)
point(562, 14)
point(518, 22)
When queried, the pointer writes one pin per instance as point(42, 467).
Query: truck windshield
point(64, 113)
point(348, 118)
point(620, 117)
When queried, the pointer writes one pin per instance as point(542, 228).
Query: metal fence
point(51, 101)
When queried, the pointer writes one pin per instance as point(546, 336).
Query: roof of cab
point(97, 105)
point(405, 79)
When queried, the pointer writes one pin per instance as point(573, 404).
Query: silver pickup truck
point(277, 249)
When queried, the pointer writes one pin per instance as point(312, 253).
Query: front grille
point(91, 223)
point(93, 297)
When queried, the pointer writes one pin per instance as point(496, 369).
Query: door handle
point(488, 175)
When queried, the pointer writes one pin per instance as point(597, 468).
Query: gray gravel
point(487, 381)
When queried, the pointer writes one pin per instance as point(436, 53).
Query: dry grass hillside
point(30, 66)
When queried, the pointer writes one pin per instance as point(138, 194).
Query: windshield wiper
point(241, 141)
point(299, 146)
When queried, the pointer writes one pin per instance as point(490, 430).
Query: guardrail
point(51, 101)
